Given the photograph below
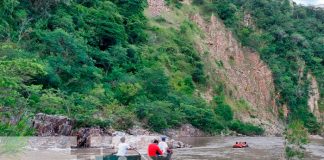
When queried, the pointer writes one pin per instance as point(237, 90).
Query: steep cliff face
point(248, 80)
point(245, 75)
point(314, 98)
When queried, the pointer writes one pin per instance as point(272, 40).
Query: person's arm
point(115, 150)
point(130, 147)
point(167, 146)
point(158, 150)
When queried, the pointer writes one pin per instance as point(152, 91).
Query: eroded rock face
point(51, 125)
point(245, 75)
point(156, 7)
point(186, 130)
point(314, 97)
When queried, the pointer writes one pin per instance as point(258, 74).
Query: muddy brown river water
point(211, 148)
point(204, 148)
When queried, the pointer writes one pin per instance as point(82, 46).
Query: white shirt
point(163, 146)
point(122, 149)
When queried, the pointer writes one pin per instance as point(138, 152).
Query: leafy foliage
point(245, 128)
point(101, 63)
point(20, 129)
point(297, 136)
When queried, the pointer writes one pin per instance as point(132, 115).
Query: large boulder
point(84, 135)
point(52, 125)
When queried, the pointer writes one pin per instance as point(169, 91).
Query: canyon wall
point(246, 77)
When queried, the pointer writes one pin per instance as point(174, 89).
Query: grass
point(293, 153)
point(242, 105)
point(321, 105)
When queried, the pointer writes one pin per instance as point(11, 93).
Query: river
point(204, 148)
point(260, 148)
point(211, 148)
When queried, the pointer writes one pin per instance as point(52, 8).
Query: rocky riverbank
point(52, 125)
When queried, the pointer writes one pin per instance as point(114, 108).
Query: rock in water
point(84, 136)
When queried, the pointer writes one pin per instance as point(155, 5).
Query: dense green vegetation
point(245, 128)
point(297, 136)
point(290, 38)
point(102, 63)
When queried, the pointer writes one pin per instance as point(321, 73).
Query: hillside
point(218, 65)
point(296, 63)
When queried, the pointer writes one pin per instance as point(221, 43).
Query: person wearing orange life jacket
point(244, 144)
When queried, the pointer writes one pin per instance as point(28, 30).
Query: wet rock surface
point(84, 136)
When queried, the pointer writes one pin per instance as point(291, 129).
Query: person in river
point(244, 144)
point(153, 150)
point(122, 149)
point(166, 151)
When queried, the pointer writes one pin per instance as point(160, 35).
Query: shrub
point(159, 115)
point(155, 82)
point(198, 2)
point(224, 111)
point(308, 119)
point(22, 128)
point(290, 153)
point(297, 136)
point(157, 122)
point(123, 119)
point(203, 118)
point(296, 133)
point(198, 75)
point(176, 3)
point(245, 128)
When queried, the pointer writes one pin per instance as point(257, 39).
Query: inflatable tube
point(245, 145)
point(237, 146)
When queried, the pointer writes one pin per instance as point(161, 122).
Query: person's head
point(155, 141)
point(122, 140)
point(236, 142)
point(244, 142)
point(163, 139)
